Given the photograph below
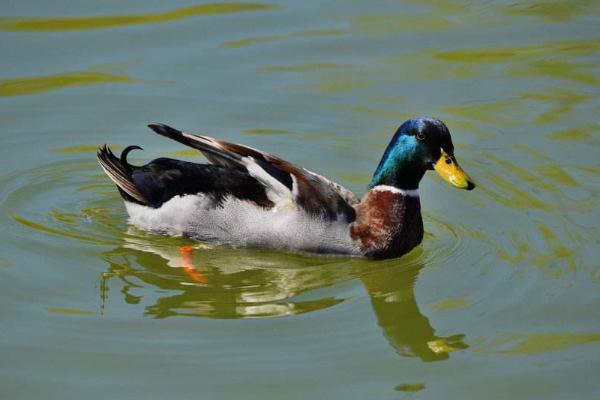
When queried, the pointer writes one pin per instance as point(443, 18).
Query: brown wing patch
point(316, 196)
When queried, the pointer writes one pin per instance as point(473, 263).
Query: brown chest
point(388, 223)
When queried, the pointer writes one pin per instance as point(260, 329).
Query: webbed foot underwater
point(248, 197)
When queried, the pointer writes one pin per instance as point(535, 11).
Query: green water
point(499, 302)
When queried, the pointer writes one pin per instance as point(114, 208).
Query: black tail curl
point(119, 171)
point(125, 153)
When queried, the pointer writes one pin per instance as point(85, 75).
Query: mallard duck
point(249, 197)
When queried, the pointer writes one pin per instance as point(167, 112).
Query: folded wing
point(285, 182)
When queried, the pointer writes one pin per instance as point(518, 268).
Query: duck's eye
point(420, 136)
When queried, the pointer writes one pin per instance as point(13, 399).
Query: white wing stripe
point(277, 192)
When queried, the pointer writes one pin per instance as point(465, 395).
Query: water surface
point(500, 301)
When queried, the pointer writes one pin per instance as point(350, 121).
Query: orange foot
point(187, 262)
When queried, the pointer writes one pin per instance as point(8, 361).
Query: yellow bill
point(452, 173)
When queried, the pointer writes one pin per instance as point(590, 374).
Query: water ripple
point(111, 21)
point(41, 84)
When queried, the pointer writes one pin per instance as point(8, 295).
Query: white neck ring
point(404, 192)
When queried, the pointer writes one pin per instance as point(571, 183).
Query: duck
point(247, 197)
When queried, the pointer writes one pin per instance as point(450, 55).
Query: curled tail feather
point(119, 171)
point(125, 153)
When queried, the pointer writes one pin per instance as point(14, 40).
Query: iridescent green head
point(420, 144)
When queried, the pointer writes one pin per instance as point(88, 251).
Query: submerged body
point(249, 197)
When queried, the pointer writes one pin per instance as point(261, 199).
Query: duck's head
point(420, 144)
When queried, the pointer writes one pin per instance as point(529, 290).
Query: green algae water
point(499, 302)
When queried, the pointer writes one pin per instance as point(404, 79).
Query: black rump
point(162, 179)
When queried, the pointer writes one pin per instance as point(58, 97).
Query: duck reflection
point(197, 280)
point(392, 294)
point(217, 282)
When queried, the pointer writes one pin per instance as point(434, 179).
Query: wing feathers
point(208, 146)
point(224, 153)
point(285, 181)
